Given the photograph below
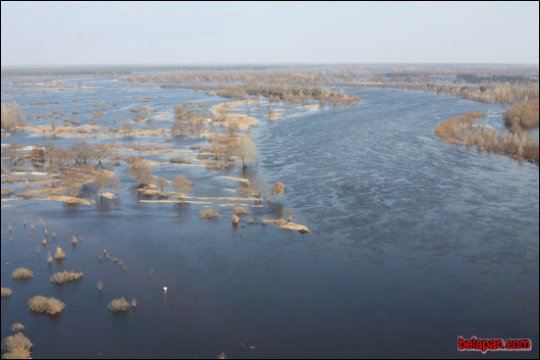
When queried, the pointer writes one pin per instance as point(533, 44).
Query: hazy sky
point(80, 32)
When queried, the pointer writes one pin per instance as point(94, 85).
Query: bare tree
point(182, 184)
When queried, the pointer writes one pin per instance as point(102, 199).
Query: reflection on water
point(414, 241)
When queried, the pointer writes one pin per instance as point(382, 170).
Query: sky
point(99, 33)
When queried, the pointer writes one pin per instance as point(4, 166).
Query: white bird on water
point(164, 290)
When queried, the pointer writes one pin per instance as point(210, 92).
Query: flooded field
point(412, 241)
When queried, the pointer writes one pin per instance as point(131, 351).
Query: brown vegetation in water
point(182, 184)
point(461, 130)
point(119, 304)
point(240, 210)
point(59, 254)
point(522, 116)
point(289, 225)
point(66, 276)
point(17, 327)
point(42, 304)
point(6, 292)
point(11, 116)
point(17, 346)
point(208, 213)
point(22, 274)
point(277, 189)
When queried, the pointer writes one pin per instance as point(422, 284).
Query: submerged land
point(138, 141)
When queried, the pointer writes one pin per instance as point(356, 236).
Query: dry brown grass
point(179, 160)
point(240, 210)
point(22, 274)
point(119, 304)
point(289, 225)
point(42, 304)
point(460, 130)
point(17, 347)
point(208, 213)
point(235, 219)
point(455, 129)
point(66, 276)
point(6, 292)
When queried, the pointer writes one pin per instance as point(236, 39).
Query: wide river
point(414, 242)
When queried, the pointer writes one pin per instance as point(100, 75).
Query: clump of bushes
point(6, 292)
point(17, 347)
point(119, 304)
point(240, 210)
point(179, 160)
point(522, 116)
point(277, 189)
point(208, 213)
point(66, 276)
point(42, 304)
point(59, 254)
point(182, 184)
point(22, 274)
point(11, 116)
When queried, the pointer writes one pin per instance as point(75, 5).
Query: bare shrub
point(22, 274)
point(59, 254)
point(17, 327)
point(240, 210)
point(208, 213)
point(42, 304)
point(182, 184)
point(11, 116)
point(247, 150)
point(140, 171)
point(66, 276)
point(6, 292)
point(277, 189)
point(17, 347)
point(179, 160)
point(119, 304)
point(522, 116)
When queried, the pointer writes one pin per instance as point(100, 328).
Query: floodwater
point(414, 242)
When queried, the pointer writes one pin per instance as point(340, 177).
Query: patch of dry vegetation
point(22, 274)
point(456, 130)
point(66, 276)
point(522, 116)
point(6, 292)
point(17, 346)
point(461, 130)
point(42, 304)
point(182, 184)
point(208, 213)
point(17, 327)
point(11, 117)
point(119, 305)
point(240, 210)
point(59, 254)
